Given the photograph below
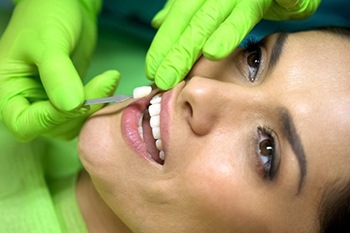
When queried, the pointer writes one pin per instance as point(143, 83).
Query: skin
point(212, 180)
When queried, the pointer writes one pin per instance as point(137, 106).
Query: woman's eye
point(266, 152)
point(253, 59)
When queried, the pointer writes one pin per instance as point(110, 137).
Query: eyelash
point(268, 166)
point(252, 47)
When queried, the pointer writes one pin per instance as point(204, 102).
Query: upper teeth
point(154, 111)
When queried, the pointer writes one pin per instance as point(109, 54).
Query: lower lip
point(130, 120)
point(129, 124)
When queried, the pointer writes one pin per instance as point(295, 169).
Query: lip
point(167, 106)
point(165, 118)
point(130, 119)
point(129, 123)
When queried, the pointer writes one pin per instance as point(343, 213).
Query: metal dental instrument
point(112, 99)
point(137, 93)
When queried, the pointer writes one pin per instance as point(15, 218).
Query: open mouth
point(149, 129)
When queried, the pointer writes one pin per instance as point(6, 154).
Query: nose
point(211, 102)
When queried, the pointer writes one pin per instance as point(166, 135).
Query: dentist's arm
point(213, 28)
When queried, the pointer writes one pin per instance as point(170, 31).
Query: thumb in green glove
point(212, 27)
point(53, 40)
point(44, 51)
point(101, 86)
point(27, 114)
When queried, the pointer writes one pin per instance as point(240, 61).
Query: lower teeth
point(161, 155)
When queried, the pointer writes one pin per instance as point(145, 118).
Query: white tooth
point(159, 144)
point(140, 131)
point(140, 121)
point(156, 99)
point(139, 127)
point(156, 132)
point(141, 91)
point(154, 122)
point(162, 155)
point(154, 109)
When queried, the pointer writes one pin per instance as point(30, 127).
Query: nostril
point(190, 110)
point(199, 122)
point(199, 104)
point(187, 111)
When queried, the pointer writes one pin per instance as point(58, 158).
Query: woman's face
point(250, 142)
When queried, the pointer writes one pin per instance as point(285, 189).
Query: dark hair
point(343, 32)
point(334, 207)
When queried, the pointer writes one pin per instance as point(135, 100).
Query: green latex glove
point(53, 40)
point(26, 111)
point(44, 51)
point(212, 27)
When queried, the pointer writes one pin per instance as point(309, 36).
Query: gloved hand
point(26, 111)
point(212, 27)
point(48, 42)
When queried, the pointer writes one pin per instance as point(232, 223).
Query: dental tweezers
point(112, 99)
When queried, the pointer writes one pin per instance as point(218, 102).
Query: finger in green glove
point(101, 86)
point(53, 40)
point(212, 27)
point(26, 113)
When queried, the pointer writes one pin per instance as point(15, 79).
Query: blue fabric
point(6, 4)
point(132, 16)
point(329, 13)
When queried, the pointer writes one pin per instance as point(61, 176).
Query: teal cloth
point(329, 13)
point(136, 16)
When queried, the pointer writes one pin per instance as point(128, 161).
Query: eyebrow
point(293, 138)
point(277, 49)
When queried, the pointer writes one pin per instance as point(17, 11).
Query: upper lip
point(166, 115)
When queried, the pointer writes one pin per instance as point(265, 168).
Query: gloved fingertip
point(113, 74)
point(84, 109)
point(165, 83)
point(213, 53)
point(66, 100)
point(155, 23)
point(150, 66)
point(107, 82)
point(216, 48)
point(158, 19)
point(148, 76)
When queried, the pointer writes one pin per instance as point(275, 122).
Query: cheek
point(223, 194)
point(87, 146)
point(95, 143)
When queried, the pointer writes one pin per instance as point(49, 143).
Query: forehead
point(316, 89)
point(314, 64)
point(316, 72)
point(319, 57)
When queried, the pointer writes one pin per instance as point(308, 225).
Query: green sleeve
point(66, 206)
point(92, 5)
point(33, 196)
